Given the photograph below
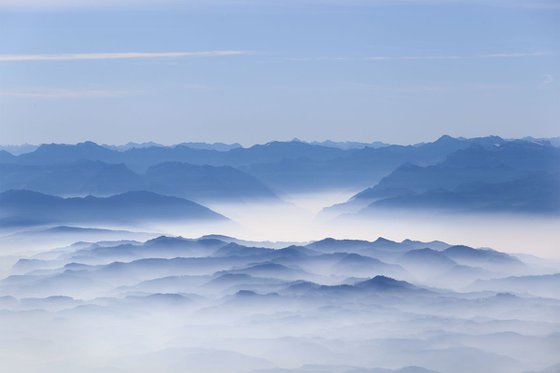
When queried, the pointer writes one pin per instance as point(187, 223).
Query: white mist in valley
point(302, 219)
point(266, 292)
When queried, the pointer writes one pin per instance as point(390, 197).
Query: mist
point(302, 219)
point(265, 293)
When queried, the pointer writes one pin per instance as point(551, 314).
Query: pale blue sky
point(254, 71)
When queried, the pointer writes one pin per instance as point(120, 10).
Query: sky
point(253, 71)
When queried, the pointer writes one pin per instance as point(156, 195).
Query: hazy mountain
point(63, 153)
point(346, 145)
point(204, 182)
point(194, 145)
point(323, 307)
point(554, 141)
point(19, 149)
point(23, 207)
point(141, 158)
point(507, 162)
point(60, 235)
point(520, 155)
point(515, 176)
point(480, 257)
point(428, 258)
point(356, 167)
point(100, 178)
point(218, 146)
point(131, 145)
point(383, 283)
point(78, 178)
point(6, 156)
point(538, 285)
point(285, 166)
point(532, 194)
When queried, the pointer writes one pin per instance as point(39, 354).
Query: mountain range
point(27, 208)
point(169, 178)
point(284, 166)
point(515, 176)
point(485, 174)
point(218, 303)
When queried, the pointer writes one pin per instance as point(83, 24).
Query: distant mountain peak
point(446, 138)
point(162, 240)
point(383, 240)
point(88, 144)
point(384, 283)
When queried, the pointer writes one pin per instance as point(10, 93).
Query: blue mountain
point(101, 178)
point(23, 207)
point(6, 156)
point(212, 182)
point(514, 176)
point(534, 194)
point(285, 166)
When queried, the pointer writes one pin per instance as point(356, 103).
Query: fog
point(301, 220)
point(129, 300)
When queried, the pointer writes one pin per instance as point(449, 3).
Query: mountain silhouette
point(23, 207)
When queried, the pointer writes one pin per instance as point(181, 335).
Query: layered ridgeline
point(218, 304)
point(515, 176)
point(486, 174)
point(28, 208)
point(229, 172)
point(196, 182)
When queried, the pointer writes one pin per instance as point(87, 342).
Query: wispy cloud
point(514, 55)
point(76, 4)
point(458, 57)
point(49, 93)
point(407, 58)
point(425, 57)
point(115, 56)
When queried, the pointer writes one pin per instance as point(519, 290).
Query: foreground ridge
point(418, 306)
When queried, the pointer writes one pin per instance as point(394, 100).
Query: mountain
point(79, 178)
point(194, 145)
point(63, 153)
point(18, 149)
point(346, 145)
point(379, 286)
point(535, 194)
point(142, 157)
point(356, 167)
point(514, 176)
point(324, 307)
point(23, 207)
point(554, 141)
point(100, 178)
point(218, 146)
point(537, 285)
point(517, 154)
point(6, 156)
point(470, 256)
point(284, 166)
point(331, 245)
point(427, 258)
point(131, 145)
point(205, 182)
point(507, 162)
point(383, 283)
